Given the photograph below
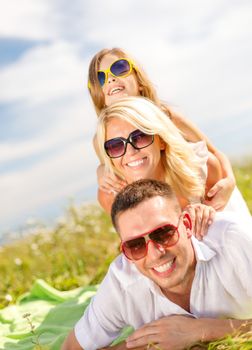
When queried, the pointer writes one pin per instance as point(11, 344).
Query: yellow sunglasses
point(122, 67)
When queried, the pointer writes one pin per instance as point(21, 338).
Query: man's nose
point(155, 250)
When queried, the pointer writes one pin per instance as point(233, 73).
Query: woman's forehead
point(118, 126)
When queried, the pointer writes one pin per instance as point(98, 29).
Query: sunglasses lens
point(166, 236)
point(120, 68)
point(140, 140)
point(114, 147)
point(135, 249)
point(101, 77)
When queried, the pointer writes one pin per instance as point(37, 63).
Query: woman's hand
point(109, 182)
point(219, 194)
point(202, 216)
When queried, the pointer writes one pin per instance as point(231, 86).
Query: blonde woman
point(136, 140)
point(113, 74)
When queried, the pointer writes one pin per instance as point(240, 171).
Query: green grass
point(240, 340)
point(76, 252)
point(244, 182)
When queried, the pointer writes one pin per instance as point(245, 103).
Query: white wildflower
point(18, 261)
point(34, 246)
point(8, 297)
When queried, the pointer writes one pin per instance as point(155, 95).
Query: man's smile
point(165, 269)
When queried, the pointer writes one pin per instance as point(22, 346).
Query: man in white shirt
point(173, 289)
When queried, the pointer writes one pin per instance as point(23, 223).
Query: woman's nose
point(130, 149)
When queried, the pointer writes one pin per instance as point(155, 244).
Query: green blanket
point(52, 313)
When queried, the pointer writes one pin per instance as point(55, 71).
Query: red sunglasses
point(164, 236)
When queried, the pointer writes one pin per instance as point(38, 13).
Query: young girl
point(113, 75)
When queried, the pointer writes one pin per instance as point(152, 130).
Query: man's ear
point(188, 224)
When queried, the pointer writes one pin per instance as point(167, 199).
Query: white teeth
point(135, 163)
point(164, 267)
point(116, 90)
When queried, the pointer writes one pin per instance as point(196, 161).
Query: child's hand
point(109, 182)
point(202, 216)
point(219, 194)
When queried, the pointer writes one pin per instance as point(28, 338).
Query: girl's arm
point(214, 172)
point(219, 193)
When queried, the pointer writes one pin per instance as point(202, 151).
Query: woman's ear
point(162, 144)
point(188, 224)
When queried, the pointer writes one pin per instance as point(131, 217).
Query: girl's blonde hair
point(147, 88)
point(181, 166)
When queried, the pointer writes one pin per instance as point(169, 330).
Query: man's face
point(171, 268)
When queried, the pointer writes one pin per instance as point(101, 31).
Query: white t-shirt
point(222, 287)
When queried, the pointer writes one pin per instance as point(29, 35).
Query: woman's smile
point(135, 164)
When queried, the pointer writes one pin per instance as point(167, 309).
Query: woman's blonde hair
point(147, 88)
point(181, 166)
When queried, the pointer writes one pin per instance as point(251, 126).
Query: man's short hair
point(137, 192)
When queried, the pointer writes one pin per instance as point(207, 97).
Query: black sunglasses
point(117, 147)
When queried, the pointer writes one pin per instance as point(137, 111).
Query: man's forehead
point(147, 215)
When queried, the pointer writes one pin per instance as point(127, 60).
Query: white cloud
point(146, 23)
point(67, 122)
point(26, 19)
point(58, 177)
point(209, 77)
point(236, 24)
point(44, 73)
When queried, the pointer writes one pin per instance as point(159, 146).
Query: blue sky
point(197, 53)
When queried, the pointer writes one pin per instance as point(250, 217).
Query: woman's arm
point(106, 181)
point(106, 200)
point(109, 182)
